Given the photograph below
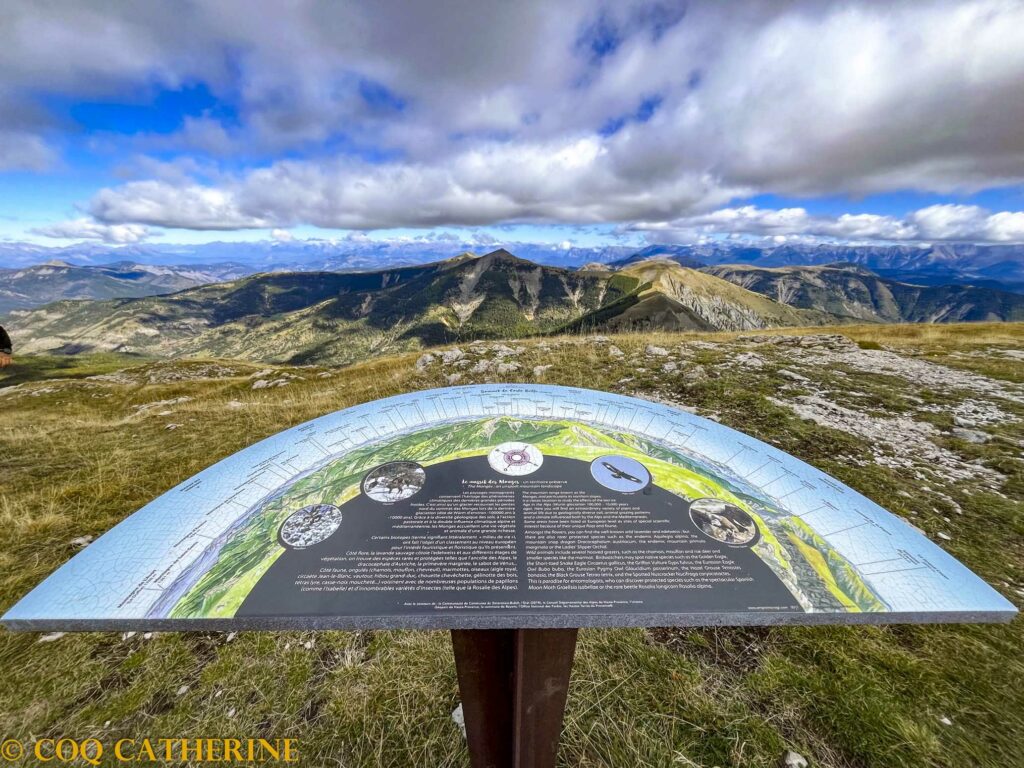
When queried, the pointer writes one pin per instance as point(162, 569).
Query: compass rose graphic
point(515, 459)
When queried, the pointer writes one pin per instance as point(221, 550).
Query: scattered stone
point(615, 352)
point(424, 362)
point(172, 426)
point(792, 375)
point(670, 367)
point(653, 351)
point(970, 435)
point(183, 690)
point(944, 536)
point(482, 366)
point(266, 383)
point(793, 760)
point(599, 339)
point(923, 374)
point(449, 356)
point(235, 404)
point(231, 712)
point(231, 636)
point(749, 360)
point(161, 404)
point(899, 442)
point(696, 373)
point(452, 378)
point(53, 636)
point(540, 370)
point(81, 541)
point(503, 350)
point(127, 636)
point(945, 720)
point(504, 368)
point(460, 719)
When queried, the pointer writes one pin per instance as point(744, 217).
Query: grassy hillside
point(715, 303)
point(926, 420)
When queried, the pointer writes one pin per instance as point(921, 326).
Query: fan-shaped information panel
point(508, 506)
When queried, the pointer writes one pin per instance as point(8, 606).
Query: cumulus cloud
point(87, 229)
point(394, 114)
point(955, 223)
point(188, 206)
point(572, 181)
point(20, 151)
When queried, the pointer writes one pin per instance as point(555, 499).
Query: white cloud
point(498, 182)
point(190, 206)
point(492, 111)
point(21, 151)
point(281, 236)
point(1006, 227)
point(957, 223)
point(87, 229)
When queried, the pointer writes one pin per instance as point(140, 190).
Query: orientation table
point(511, 515)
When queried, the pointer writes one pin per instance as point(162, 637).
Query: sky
point(581, 122)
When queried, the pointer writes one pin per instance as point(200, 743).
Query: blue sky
point(623, 123)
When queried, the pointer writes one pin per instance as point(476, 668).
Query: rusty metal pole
point(513, 684)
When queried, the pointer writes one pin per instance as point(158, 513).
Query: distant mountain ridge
point(993, 266)
point(855, 293)
point(342, 317)
point(55, 280)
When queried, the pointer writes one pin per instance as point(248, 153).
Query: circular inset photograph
point(725, 522)
point(515, 459)
point(620, 473)
point(309, 525)
point(395, 481)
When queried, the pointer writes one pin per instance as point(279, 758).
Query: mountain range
point(346, 316)
point(341, 317)
point(55, 280)
point(993, 266)
point(853, 293)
